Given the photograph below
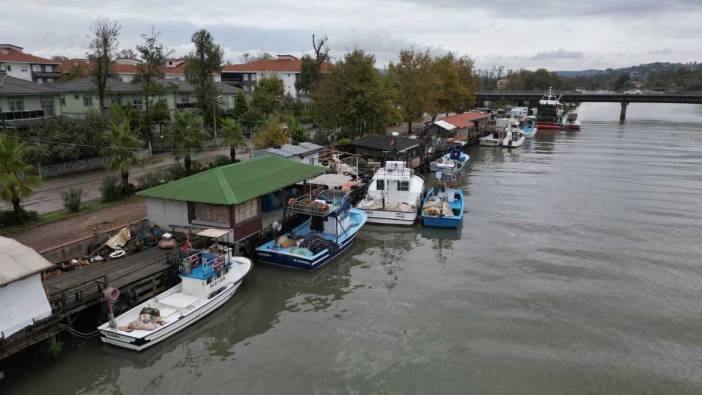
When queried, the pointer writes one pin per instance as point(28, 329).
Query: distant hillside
point(660, 76)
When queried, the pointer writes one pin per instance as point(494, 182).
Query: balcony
point(21, 115)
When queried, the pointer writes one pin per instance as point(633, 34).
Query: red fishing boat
point(549, 112)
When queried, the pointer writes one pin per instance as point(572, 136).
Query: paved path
point(47, 197)
point(63, 231)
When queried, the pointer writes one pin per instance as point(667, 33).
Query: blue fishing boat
point(454, 161)
point(529, 128)
point(443, 204)
point(330, 230)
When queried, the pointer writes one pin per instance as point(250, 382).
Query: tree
point(295, 130)
point(149, 72)
point(271, 133)
point(127, 53)
point(353, 97)
point(200, 65)
point(468, 82)
point(232, 134)
point(103, 45)
point(621, 82)
point(449, 84)
point(267, 96)
point(123, 152)
point(414, 83)
point(311, 68)
point(16, 180)
point(240, 104)
point(186, 135)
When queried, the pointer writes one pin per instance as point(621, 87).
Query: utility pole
point(214, 121)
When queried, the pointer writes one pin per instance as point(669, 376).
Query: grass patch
point(89, 207)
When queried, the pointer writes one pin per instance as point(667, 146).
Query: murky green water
point(578, 270)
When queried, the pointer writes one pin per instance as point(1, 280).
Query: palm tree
point(186, 135)
point(233, 135)
point(123, 152)
point(16, 181)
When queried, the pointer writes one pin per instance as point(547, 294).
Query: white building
point(285, 67)
point(23, 300)
point(15, 63)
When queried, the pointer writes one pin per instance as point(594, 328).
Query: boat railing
point(206, 259)
point(320, 204)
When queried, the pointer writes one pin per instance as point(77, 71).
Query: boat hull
point(139, 344)
point(299, 262)
point(548, 125)
point(391, 217)
point(442, 222)
point(490, 142)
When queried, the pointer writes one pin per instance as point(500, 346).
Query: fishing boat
point(549, 112)
point(330, 230)
point(571, 121)
point(495, 138)
point(209, 278)
point(513, 135)
point(529, 128)
point(393, 196)
point(443, 204)
point(455, 160)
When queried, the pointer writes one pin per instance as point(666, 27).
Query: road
point(47, 197)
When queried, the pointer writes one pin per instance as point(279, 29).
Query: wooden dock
point(138, 277)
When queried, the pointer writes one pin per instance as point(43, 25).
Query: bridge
point(532, 97)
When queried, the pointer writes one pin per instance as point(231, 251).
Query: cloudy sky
point(558, 35)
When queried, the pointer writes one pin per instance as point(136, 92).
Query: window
point(8, 67)
point(47, 104)
point(246, 211)
point(380, 185)
point(76, 97)
point(185, 99)
point(88, 101)
point(403, 186)
point(246, 77)
point(118, 100)
point(16, 104)
point(24, 68)
point(63, 100)
point(137, 101)
point(210, 213)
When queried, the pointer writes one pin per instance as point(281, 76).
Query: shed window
point(403, 186)
point(246, 210)
point(210, 213)
point(16, 104)
point(380, 185)
point(88, 101)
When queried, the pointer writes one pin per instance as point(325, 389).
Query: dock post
point(622, 114)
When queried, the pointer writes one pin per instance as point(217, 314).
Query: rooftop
point(16, 86)
point(463, 120)
point(19, 261)
point(284, 63)
point(21, 57)
point(115, 85)
point(385, 143)
point(290, 150)
point(236, 183)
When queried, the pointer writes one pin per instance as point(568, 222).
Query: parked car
point(633, 92)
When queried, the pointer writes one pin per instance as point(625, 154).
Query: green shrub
point(221, 160)
point(72, 199)
point(111, 188)
point(149, 180)
point(8, 218)
point(175, 172)
point(196, 166)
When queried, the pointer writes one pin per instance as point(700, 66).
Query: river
point(578, 270)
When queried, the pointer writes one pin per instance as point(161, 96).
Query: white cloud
point(543, 33)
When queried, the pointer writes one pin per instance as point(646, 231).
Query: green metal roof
point(236, 183)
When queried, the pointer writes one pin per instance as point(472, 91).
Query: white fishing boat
point(495, 138)
point(209, 278)
point(513, 135)
point(394, 195)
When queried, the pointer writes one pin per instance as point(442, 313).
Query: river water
point(578, 270)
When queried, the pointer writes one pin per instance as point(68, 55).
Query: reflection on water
point(577, 270)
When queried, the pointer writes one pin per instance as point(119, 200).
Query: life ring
point(116, 254)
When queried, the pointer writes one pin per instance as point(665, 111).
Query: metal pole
point(214, 120)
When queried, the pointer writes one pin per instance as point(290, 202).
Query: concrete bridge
point(532, 97)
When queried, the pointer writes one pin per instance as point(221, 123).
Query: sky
point(557, 35)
